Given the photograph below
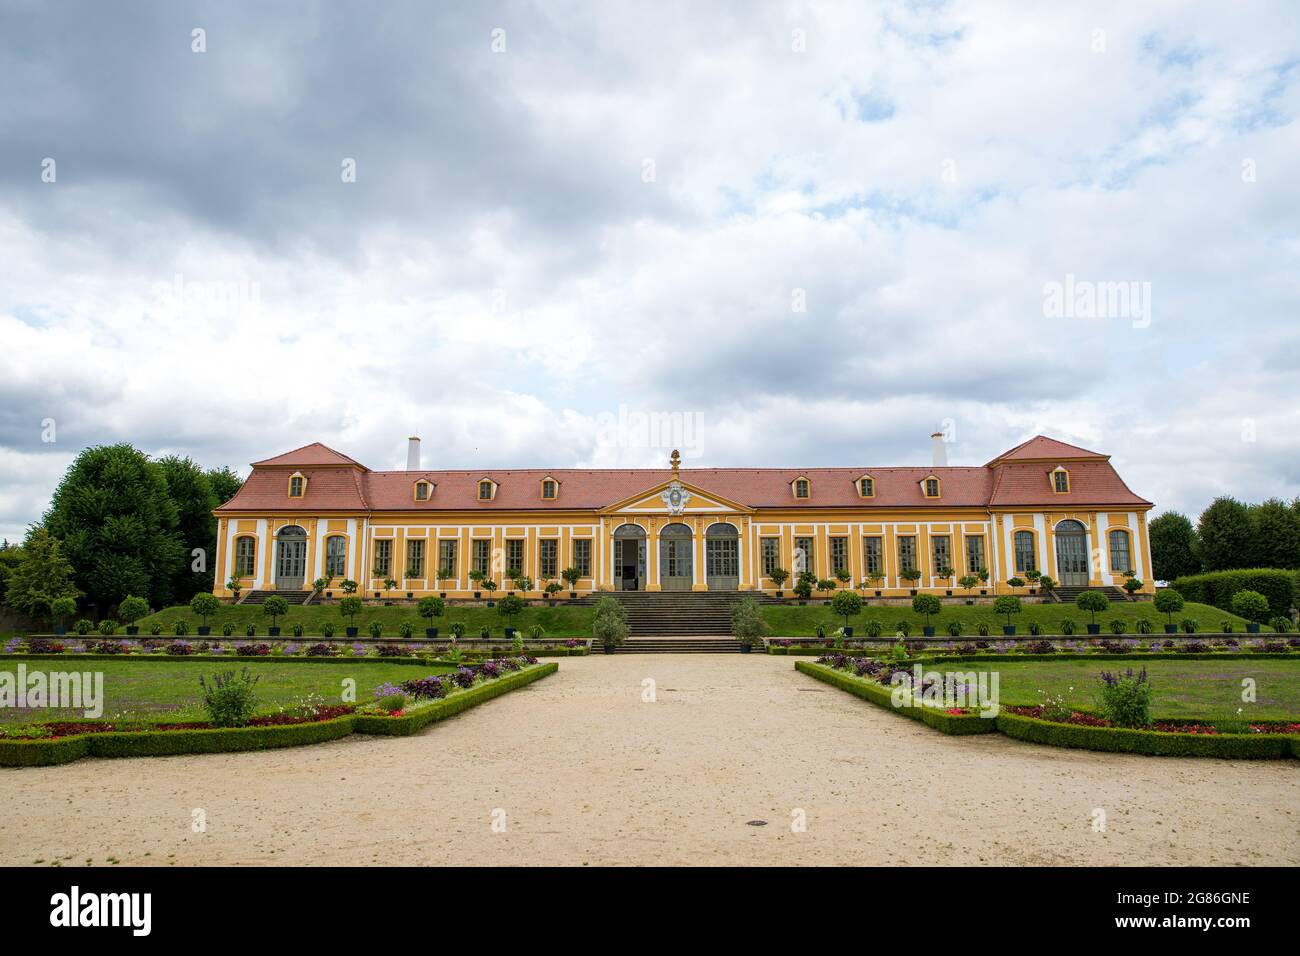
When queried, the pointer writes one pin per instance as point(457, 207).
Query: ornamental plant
point(230, 700)
point(84, 626)
point(955, 628)
point(234, 587)
point(430, 607)
point(846, 604)
point(249, 631)
point(843, 576)
point(1067, 627)
point(1170, 602)
point(1132, 585)
point(1280, 624)
point(275, 607)
point(926, 604)
point(1143, 626)
point(1045, 584)
point(204, 604)
point(509, 607)
point(747, 624)
point(227, 629)
point(180, 629)
point(1125, 700)
point(62, 608)
point(405, 629)
point(107, 626)
point(133, 608)
point(349, 607)
point(911, 575)
point(376, 628)
point(779, 576)
point(968, 582)
point(1007, 604)
point(610, 625)
point(1251, 605)
point(1092, 602)
point(874, 628)
point(457, 629)
point(348, 586)
point(802, 588)
point(327, 629)
point(1117, 626)
point(1015, 582)
point(571, 577)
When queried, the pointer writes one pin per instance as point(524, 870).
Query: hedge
point(421, 717)
point(1150, 742)
point(877, 694)
point(1218, 587)
point(163, 743)
point(218, 658)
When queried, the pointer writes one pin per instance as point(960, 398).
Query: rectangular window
point(804, 555)
point(907, 553)
point(582, 556)
point(866, 487)
point(1120, 559)
point(245, 557)
point(447, 559)
point(415, 558)
point(548, 488)
point(482, 555)
point(548, 550)
point(1025, 560)
point(1062, 481)
point(801, 488)
point(975, 554)
point(940, 551)
point(295, 486)
point(839, 555)
point(771, 555)
point(336, 556)
point(873, 556)
point(932, 487)
point(485, 491)
point(514, 556)
point(383, 557)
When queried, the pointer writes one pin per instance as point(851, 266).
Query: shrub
point(846, 604)
point(392, 702)
point(327, 629)
point(1035, 628)
point(1093, 602)
point(1040, 647)
point(537, 632)
point(132, 609)
point(1118, 626)
point(1067, 627)
point(747, 624)
point(230, 700)
point(181, 628)
point(204, 605)
point(389, 650)
point(903, 627)
point(1168, 601)
point(227, 629)
point(509, 607)
point(275, 607)
point(926, 604)
point(430, 607)
point(982, 629)
point(376, 628)
point(350, 607)
point(250, 631)
point(253, 650)
point(610, 625)
point(1280, 624)
point(180, 648)
point(1188, 625)
point(1251, 605)
point(1278, 587)
point(107, 627)
point(83, 627)
point(1125, 700)
point(873, 628)
point(1143, 626)
point(297, 630)
point(1007, 604)
point(405, 629)
point(955, 628)
point(485, 632)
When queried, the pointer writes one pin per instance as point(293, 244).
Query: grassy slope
point(564, 621)
point(1188, 689)
point(153, 689)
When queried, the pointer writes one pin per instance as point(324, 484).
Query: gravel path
point(580, 770)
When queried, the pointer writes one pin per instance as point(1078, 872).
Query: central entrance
point(722, 550)
point(1071, 554)
point(629, 557)
point(676, 560)
point(290, 558)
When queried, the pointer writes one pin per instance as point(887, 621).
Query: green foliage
point(510, 606)
point(205, 603)
point(348, 586)
point(1046, 584)
point(610, 625)
point(108, 627)
point(968, 582)
point(1067, 627)
point(1007, 604)
point(910, 574)
point(803, 588)
point(405, 629)
point(954, 628)
point(457, 629)
point(275, 607)
point(1125, 699)
point(229, 700)
point(1132, 585)
point(846, 604)
point(1143, 626)
point(522, 582)
point(747, 624)
point(1280, 624)
point(1218, 587)
point(392, 702)
point(1251, 605)
point(1277, 534)
point(927, 604)
point(1168, 601)
point(430, 607)
point(376, 629)
point(1225, 536)
point(133, 608)
point(1094, 602)
point(1016, 582)
point(118, 524)
point(62, 608)
point(874, 628)
point(779, 576)
point(1188, 625)
point(42, 575)
point(571, 577)
point(1118, 626)
point(350, 607)
point(190, 489)
point(1173, 546)
point(1117, 740)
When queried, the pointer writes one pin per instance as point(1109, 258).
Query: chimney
point(412, 454)
point(938, 450)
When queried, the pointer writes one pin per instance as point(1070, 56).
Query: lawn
point(796, 621)
point(1210, 689)
point(154, 689)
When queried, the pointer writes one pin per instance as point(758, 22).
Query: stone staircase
point(668, 614)
point(1067, 595)
point(676, 645)
point(293, 597)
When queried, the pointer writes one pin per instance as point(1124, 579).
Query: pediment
point(697, 500)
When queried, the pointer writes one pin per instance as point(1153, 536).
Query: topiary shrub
point(928, 605)
point(747, 624)
point(1251, 605)
point(846, 604)
point(1094, 602)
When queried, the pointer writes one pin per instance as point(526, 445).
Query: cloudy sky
point(787, 234)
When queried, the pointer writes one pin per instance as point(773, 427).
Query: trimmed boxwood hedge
point(163, 743)
point(1218, 587)
point(421, 717)
point(877, 694)
point(231, 658)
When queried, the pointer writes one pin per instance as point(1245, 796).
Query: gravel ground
point(577, 769)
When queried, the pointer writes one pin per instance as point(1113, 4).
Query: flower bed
point(945, 720)
point(68, 741)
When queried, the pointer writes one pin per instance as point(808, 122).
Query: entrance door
point(291, 559)
point(676, 560)
point(722, 549)
point(629, 558)
point(1071, 554)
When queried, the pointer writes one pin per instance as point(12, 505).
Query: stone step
point(293, 597)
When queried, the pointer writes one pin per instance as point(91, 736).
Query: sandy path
point(585, 772)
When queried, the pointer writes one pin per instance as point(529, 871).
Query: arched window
point(336, 556)
point(297, 485)
point(932, 487)
point(487, 489)
point(1121, 557)
point(802, 488)
point(245, 556)
point(422, 490)
point(1025, 552)
point(866, 487)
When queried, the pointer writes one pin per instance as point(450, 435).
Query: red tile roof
point(1010, 480)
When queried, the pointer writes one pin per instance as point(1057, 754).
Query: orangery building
point(1043, 506)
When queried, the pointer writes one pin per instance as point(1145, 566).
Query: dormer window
point(550, 489)
point(931, 487)
point(866, 487)
point(423, 489)
point(487, 489)
point(297, 485)
point(802, 488)
point(1060, 481)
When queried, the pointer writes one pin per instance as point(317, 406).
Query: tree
point(510, 606)
point(133, 608)
point(1168, 601)
point(1007, 604)
point(927, 604)
point(205, 603)
point(1226, 536)
point(967, 582)
point(11, 555)
point(117, 524)
point(1093, 602)
point(779, 576)
point(1277, 530)
point(1251, 605)
point(609, 626)
point(225, 484)
point(275, 607)
point(42, 576)
point(62, 608)
point(846, 604)
point(747, 624)
point(1173, 546)
point(430, 607)
point(191, 492)
point(349, 608)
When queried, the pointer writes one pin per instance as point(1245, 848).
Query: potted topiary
point(348, 586)
point(389, 585)
point(1131, 586)
point(1007, 604)
point(524, 583)
point(847, 604)
point(967, 583)
point(1170, 602)
point(320, 584)
point(349, 607)
point(779, 576)
point(429, 608)
point(234, 587)
point(275, 607)
point(376, 629)
point(1251, 605)
point(954, 628)
point(946, 573)
point(803, 586)
point(508, 607)
point(929, 605)
point(476, 577)
point(62, 608)
point(489, 585)
point(610, 626)
point(571, 577)
point(204, 604)
point(983, 575)
point(131, 610)
point(826, 586)
point(1015, 582)
point(553, 589)
point(405, 629)
point(444, 574)
point(1093, 602)
point(874, 578)
point(1046, 585)
point(911, 576)
point(1032, 577)
point(843, 577)
point(747, 624)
